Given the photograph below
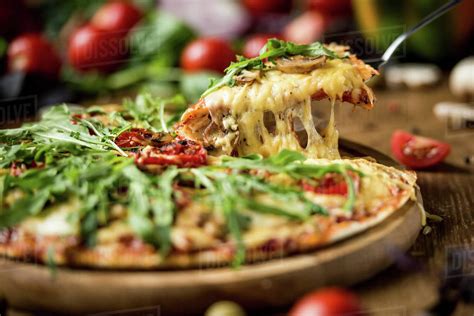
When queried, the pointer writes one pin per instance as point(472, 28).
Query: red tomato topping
point(332, 184)
point(179, 152)
point(207, 54)
point(418, 152)
point(255, 43)
point(17, 169)
point(32, 53)
point(327, 302)
point(162, 149)
point(133, 138)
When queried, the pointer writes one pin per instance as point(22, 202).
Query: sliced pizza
point(254, 107)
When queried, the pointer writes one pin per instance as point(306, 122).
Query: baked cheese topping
point(259, 117)
point(58, 221)
point(376, 190)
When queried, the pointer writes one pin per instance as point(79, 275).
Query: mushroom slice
point(299, 64)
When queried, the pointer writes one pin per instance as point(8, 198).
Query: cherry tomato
point(255, 43)
point(94, 49)
point(306, 28)
point(17, 169)
point(134, 138)
point(418, 152)
point(117, 16)
point(331, 183)
point(259, 7)
point(327, 302)
point(332, 7)
point(207, 54)
point(179, 152)
point(31, 53)
point(161, 149)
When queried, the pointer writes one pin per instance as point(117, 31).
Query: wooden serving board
point(276, 283)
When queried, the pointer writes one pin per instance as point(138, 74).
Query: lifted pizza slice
point(253, 109)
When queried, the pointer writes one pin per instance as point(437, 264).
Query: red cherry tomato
point(418, 152)
point(159, 149)
point(17, 169)
point(327, 302)
point(134, 138)
point(259, 7)
point(94, 49)
point(116, 16)
point(306, 28)
point(331, 183)
point(331, 7)
point(32, 53)
point(207, 54)
point(255, 43)
point(179, 152)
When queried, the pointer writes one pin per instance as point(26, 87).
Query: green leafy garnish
point(72, 156)
point(272, 50)
point(156, 114)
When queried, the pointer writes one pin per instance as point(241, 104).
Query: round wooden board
point(270, 284)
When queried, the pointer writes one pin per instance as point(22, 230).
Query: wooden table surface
point(447, 190)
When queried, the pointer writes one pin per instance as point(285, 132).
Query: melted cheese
point(287, 97)
point(56, 222)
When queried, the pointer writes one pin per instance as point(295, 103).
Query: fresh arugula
point(58, 128)
point(156, 114)
point(77, 159)
point(235, 187)
point(272, 50)
point(292, 163)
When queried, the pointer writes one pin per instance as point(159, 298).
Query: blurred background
point(75, 51)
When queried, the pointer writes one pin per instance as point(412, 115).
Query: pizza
point(150, 184)
point(256, 114)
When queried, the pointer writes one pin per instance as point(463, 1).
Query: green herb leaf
point(156, 114)
point(272, 50)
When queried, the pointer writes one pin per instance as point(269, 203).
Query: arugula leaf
point(21, 209)
point(156, 114)
point(163, 207)
point(192, 85)
point(292, 163)
point(272, 50)
point(151, 205)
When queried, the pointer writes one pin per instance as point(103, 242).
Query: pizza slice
point(253, 109)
